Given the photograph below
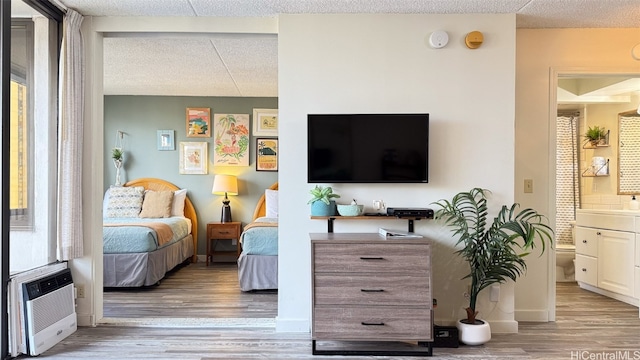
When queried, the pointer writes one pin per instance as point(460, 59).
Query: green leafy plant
point(324, 194)
point(595, 133)
point(116, 154)
point(494, 251)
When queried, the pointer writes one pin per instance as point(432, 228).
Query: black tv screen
point(368, 148)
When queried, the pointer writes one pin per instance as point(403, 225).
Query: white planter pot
point(476, 334)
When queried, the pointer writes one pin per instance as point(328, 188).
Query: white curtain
point(70, 139)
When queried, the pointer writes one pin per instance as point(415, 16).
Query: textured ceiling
point(229, 65)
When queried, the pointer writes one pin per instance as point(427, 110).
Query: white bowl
point(350, 210)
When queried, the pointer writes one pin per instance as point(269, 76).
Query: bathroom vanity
point(608, 253)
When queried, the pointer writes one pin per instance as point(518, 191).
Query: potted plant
point(117, 154)
point(595, 135)
point(494, 251)
point(321, 201)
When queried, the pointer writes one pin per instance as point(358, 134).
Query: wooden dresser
point(368, 288)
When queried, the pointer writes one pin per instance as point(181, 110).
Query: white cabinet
point(616, 262)
point(637, 276)
point(607, 253)
point(587, 255)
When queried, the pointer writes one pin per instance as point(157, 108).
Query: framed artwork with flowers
point(193, 158)
point(231, 139)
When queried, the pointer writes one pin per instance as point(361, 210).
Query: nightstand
point(222, 231)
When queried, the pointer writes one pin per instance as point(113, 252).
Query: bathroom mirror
point(628, 153)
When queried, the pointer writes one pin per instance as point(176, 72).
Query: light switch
point(528, 186)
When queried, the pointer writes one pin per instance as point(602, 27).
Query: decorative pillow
point(271, 200)
point(157, 204)
point(179, 198)
point(105, 203)
point(125, 202)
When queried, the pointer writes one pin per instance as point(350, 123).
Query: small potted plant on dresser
point(492, 250)
point(321, 201)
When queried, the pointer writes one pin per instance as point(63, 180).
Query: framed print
point(198, 122)
point(166, 140)
point(265, 122)
point(267, 155)
point(193, 158)
point(231, 139)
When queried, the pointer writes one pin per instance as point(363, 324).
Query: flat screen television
point(368, 148)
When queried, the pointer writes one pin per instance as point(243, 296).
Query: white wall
point(382, 63)
point(540, 54)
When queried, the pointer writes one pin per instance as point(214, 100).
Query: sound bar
point(411, 212)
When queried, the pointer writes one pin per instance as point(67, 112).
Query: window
point(33, 139)
point(21, 153)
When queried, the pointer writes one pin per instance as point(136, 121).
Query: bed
point(258, 262)
point(139, 245)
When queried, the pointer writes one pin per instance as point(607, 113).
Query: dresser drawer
point(397, 290)
point(380, 323)
point(385, 258)
point(587, 241)
point(587, 269)
point(223, 232)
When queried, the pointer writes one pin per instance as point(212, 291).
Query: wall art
point(231, 140)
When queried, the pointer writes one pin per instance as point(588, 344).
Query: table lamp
point(227, 185)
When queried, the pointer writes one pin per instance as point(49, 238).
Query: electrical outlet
point(494, 295)
point(528, 186)
point(80, 291)
point(378, 204)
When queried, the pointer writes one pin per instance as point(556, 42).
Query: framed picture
point(267, 155)
point(265, 122)
point(166, 140)
point(193, 158)
point(198, 122)
point(231, 139)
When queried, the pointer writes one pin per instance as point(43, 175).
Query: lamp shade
point(225, 185)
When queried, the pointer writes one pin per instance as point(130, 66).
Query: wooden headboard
point(189, 210)
point(261, 207)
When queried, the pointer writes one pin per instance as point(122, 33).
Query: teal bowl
point(350, 210)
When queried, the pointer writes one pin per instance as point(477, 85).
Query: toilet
point(565, 258)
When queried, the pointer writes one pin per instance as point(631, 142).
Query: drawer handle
point(371, 258)
point(583, 269)
point(584, 241)
point(225, 232)
point(372, 290)
point(598, 233)
point(372, 324)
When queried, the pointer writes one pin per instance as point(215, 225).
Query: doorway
point(584, 100)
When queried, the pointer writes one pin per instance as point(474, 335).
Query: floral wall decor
point(231, 132)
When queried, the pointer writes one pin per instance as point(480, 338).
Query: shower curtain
point(567, 176)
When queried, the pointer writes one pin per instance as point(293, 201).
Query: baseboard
point(624, 298)
point(293, 325)
point(532, 315)
point(86, 320)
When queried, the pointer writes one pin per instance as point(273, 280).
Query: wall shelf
point(604, 142)
point(331, 219)
point(590, 172)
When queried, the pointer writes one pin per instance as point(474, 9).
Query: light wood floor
point(193, 291)
point(588, 326)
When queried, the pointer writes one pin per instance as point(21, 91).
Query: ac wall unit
point(49, 311)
